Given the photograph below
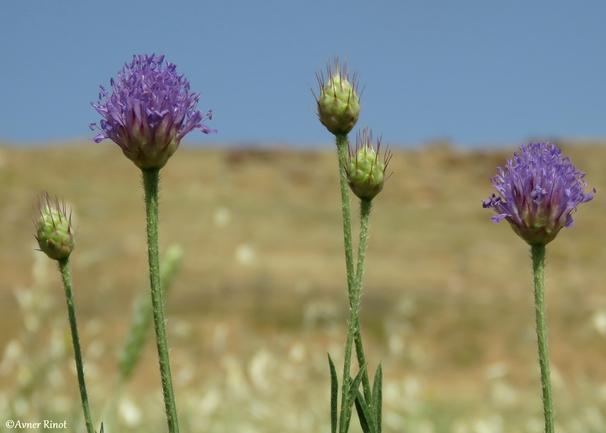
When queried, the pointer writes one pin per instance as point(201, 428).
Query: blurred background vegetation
point(260, 299)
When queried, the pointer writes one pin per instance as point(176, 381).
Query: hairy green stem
point(538, 270)
point(353, 290)
point(365, 209)
point(64, 268)
point(342, 147)
point(151, 179)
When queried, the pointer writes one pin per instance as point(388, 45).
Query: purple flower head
point(150, 109)
point(538, 190)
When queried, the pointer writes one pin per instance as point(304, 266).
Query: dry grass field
point(260, 299)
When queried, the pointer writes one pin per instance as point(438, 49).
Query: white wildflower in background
point(599, 322)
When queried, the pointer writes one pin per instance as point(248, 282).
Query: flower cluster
point(54, 231)
point(538, 190)
point(365, 169)
point(150, 109)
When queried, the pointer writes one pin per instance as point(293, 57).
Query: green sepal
point(334, 391)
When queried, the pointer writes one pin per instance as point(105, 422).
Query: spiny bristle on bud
point(54, 231)
point(338, 103)
point(365, 169)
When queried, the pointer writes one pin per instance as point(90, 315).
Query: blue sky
point(477, 72)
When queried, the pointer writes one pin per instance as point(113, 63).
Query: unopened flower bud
point(338, 103)
point(54, 231)
point(365, 168)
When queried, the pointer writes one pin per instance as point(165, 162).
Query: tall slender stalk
point(342, 151)
point(353, 287)
point(538, 270)
point(151, 179)
point(342, 147)
point(365, 209)
point(64, 268)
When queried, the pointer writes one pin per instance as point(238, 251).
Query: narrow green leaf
point(377, 398)
point(355, 384)
point(364, 415)
point(334, 391)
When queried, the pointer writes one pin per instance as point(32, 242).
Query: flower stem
point(341, 141)
point(151, 179)
point(342, 146)
point(64, 268)
point(365, 209)
point(538, 269)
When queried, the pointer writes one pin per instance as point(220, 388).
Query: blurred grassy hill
point(447, 293)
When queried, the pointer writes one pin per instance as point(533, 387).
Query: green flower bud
point(338, 104)
point(54, 231)
point(365, 169)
